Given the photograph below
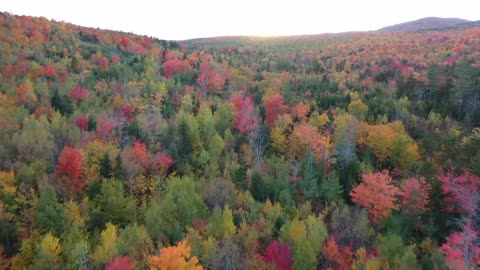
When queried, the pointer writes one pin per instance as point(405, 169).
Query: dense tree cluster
point(351, 151)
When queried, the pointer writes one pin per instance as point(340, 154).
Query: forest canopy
point(345, 151)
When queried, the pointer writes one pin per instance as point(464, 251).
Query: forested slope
point(345, 151)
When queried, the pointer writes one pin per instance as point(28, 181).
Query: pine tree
point(304, 257)
point(106, 166)
point(258, 188)
point(118, 171)
point(50, 213)
point(48, 256)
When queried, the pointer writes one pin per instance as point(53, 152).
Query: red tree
point(336, 256)
point(79, 93)
point(245, 120)
point(460, 250)
point(463, 191)
point(105, 127)
point(164, 161)
point(210, 80)
point(174, 66)
point(120, 263)
point(49, 71)
point(414, 196)
point(126, 111)
point(69, 168)
point(82, 122)
point(300, 111)
point(115, 58)
point(273, 107)
point(278, 254)
point(306, 137)
point(141, 153)
point(376, 194)
point(103, 63)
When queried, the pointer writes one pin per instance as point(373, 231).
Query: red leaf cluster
point(300, 111)
point(70, 165)
point(103, 63)
point(126, 111)
point(141, 153)
point(82, 122)
point(105, 127)
point(115, 58)
point(273, 108)
point(164, 161)
point(79, 93)
point(376, 194)
point(462, 190)
point(49, 71)
point(278, 254)
point(120, 263)
point(175, 66)
point(245, 120)
point(211, 80)
point(158, 163)
point(414, 196)
point(460, 250)
point(336, 256)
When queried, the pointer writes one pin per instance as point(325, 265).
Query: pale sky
point(185, 19)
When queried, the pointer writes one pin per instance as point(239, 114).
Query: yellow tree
point(175, 258)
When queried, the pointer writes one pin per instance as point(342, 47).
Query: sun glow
point(195, 19)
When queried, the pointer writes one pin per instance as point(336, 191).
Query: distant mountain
point(428, 23)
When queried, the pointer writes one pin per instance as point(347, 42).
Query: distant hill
point(428, 23)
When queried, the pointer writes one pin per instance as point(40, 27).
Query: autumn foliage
point(210, 79)
point(175, 257)
point(306, 137)
point(79, 93)
point(174, 66)
point(377, 194)
point(105, 127)
point(462, 191)
point(336, 256)
point(346, 151)
point(49, 71)
point(158, 163)
point(274, 106)
point(414, 194)
point(245, 120)
point(120, 263)
point(82, 122)
point(461, 249)
point(70, 167)
point(278, 254)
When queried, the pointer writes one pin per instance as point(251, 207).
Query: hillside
point(423, 24)
point(335, 151)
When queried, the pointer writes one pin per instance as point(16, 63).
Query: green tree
point(108, 247)
point(50, 214)
point(179, 206)
point(78, 257)
point(112, 205)
point(304, 256)
point(135, 242)
point(258, 187)
point(48, 255)
point(106, 166)
point(398, 255)
point(316, 232)
point(221, 224)
point(331, 190)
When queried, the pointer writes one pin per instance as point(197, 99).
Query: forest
point(342, 151)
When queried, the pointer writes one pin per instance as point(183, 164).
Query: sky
point(186, 19)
